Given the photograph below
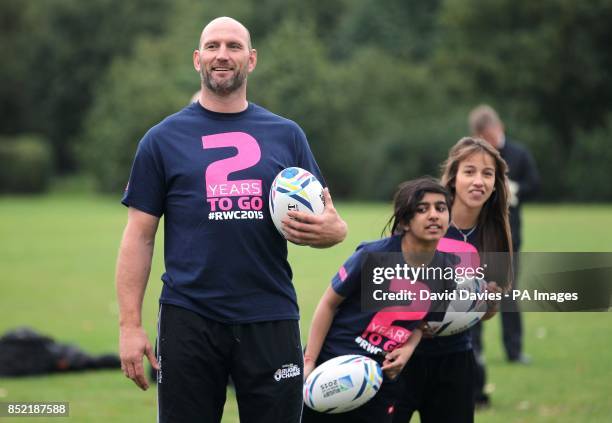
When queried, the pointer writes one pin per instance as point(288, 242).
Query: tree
point(59, 50)
point(405, 29)
point(548, 61)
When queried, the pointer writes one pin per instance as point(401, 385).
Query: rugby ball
point(342, 384)
point(465, 310)
point(294, 189)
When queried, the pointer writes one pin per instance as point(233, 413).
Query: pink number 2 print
point(249, 153)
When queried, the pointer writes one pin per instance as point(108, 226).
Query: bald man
point(228, 306)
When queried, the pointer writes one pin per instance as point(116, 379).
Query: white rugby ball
point(342, 384)
point(465, 311)
point(294, 189)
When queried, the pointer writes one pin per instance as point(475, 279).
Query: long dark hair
point(406, 199)
point(493, 221)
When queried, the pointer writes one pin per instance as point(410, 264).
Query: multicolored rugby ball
point(295, 189)
point(463, 312)
point(342, 384)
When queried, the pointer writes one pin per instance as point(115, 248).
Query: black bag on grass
point(25, 352)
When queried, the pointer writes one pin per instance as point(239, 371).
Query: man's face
point(493, 134)
point(224, 58)
point(431, 218)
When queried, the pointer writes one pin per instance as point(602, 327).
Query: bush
point(588, 171)
point(27, 164)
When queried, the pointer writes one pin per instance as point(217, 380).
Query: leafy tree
point(589, 168)
point(549, 60)
point(59, 50)
point(402, 28)
point(372, 121)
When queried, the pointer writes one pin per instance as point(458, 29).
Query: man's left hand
point(319, 231)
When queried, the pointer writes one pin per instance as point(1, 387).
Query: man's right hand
point(308, 368)
point(133, 344)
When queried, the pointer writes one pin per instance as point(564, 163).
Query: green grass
point(57, 255)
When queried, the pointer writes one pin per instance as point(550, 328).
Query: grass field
point(57, 255)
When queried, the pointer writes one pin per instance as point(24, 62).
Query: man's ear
point(196, 60)
point(252, 60)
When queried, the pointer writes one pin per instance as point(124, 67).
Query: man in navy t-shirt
point(228, 306)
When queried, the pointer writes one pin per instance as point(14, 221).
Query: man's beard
point(223, 87)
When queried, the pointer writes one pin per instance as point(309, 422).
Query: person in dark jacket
point(524, 182)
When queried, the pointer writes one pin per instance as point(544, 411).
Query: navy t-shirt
point(210, 174)
point(370, 333)
point(453, 242)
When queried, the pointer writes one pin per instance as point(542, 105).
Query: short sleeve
point(146, 187)
point(348, 278)
point(305, 158)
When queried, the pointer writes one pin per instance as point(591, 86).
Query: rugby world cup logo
point(293, 183)
point(345, 383)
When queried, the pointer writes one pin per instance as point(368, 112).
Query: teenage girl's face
point(430, 221)
point(475, 180)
